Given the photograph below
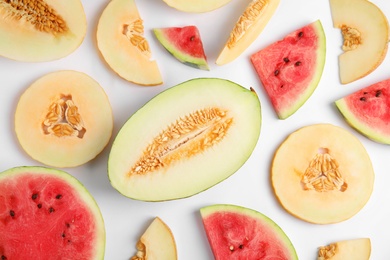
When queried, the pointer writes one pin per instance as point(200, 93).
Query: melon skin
point(236, 232)
point(46, 213)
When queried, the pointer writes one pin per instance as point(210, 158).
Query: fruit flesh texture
point(357, 249)
point(248, 27)
point(305, 184)
point(297, 65)
point(24, 41)
point(217, 112)
point(40, 104)
point(48, 213)
point(121, 41)
point(365, 45)
point(196, 6)
point(236, 232)
point(368, 111)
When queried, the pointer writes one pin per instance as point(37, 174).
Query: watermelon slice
point(368, 111)
point(290, 69)
point(185, 44)
point(235, 232)
point(48, 214)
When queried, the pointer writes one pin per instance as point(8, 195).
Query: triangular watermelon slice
point(290, 69)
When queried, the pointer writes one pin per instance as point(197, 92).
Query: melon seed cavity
point(352, 38)
point(134, 31)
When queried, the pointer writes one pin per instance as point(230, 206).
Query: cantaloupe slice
point(196, 6)
point(121, 41)
point(356, 249)
point(322, 174)
point(64, 119)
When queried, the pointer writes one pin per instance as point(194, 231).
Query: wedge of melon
point(121, 41)
point(196, 6)
point(248, 27)
point(356, 249)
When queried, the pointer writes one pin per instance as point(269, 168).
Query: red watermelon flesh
point(290, 69)
point(240, 233)
point(47, 214)
point(368, 111)
point(185, 44)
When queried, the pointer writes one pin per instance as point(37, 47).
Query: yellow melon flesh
point(196, 6)
point(366, 34)
point(322, 174)
point(356, 249)
point(121, 41)
point(27, 34)
point(248, 27)
point(64, 119)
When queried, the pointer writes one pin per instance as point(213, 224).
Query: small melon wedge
point(248, 27)
point(356, 249)
point(366, 34)
point(196, 6)
point(121, 41)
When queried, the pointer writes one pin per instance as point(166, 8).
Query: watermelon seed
point(276, 72)
point(241, 246)
point(63, 234)
point(67, 225)
point(231, 248)
point(51, 210)
point(298, 63)
point(12, 213)
point(286, 59)
point(3, 257)
point(59, 196)
point(34, 196)
point(281, 86)
point(300, 34)
point(192, 38)
point(362, 99)
point(378, 93)
point(39, 205)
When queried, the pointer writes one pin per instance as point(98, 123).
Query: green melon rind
point(250, 213)
point(81, 191)
point(188, 60)
point(362, 128)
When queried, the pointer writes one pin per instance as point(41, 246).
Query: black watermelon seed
point(51, 210)
point(192, 38)
point(276, 72)
point(63, 234)
point(362, 99)
point(3, 257)
point(378, 93)
point(39, 205)
point(59, 196)
point(281, 86)
point(241, 246)
point(34, 196)
point(298, 63)
point(300, 34)
point(12, 213)
point(286, 59)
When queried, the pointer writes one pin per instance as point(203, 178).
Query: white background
point(126, 219)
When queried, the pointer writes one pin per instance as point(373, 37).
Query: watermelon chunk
point(235, 232)
point(290, 69)
point(368, 111)
point(48, 214)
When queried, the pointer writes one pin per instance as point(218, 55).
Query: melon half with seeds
point(185, 140)
point(41, 30)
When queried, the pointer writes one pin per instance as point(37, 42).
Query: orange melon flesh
point(196, 6)
point(21, 41)
point(123, 46)
point(64, 150)
point(295, 157)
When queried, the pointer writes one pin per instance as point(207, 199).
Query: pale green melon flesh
point(196, 6)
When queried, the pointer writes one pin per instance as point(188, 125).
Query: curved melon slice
point(185, 44)
point(357, 249)
point(64, 119)
point(121, 41)
point(196, 6)
point(328, 179)
point(290, 69)
point(156, 243)
point(42, 30)
point(236, 232)
point(185, 140)
point(248, 27)
point(366, 34)
point(48, 214)
point(368, 111)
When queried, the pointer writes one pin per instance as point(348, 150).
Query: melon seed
point(12, 213)
point(59, 196)
point(276, 72)
point(231, 248)
point(192, 38)
point(3, 257)
point(34, 196)
point(300, 34)
point(241, 246)
point(39, 205)
point(63, 234)
point(298, 63)
point(378, 93)
point(363, 99)
point(51, 210)
point(286, 59)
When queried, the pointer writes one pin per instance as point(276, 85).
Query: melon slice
point(290, 69)
point(64, 119)
point(235, 232)
point(328, 179)
point(185, 44)
point(121, 41)
point(356, 249)
point(42, 30)
point(156, 243)
point(185, 140)
point(48, 214)
point(248, 27)
point(368, 111)
point(365, 30)
point(196, 6)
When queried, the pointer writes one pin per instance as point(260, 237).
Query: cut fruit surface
point(328, 179)
point(356, 249)
point(196, 6)
point(236, 232)
point(42, 30)
point(121, 41)
point(368, 111)
point(290, 69)
point(365, 31)
point(185, 140)
point(248, 27)
point(64, 119)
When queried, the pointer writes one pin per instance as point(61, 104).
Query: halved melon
point(322, 174)
point(196, 6)
point(248, 27)
point(356, 249)
point(366, 34)
point(121, 41)
point(185, 140)
point(64, 119)
point(41, 30)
